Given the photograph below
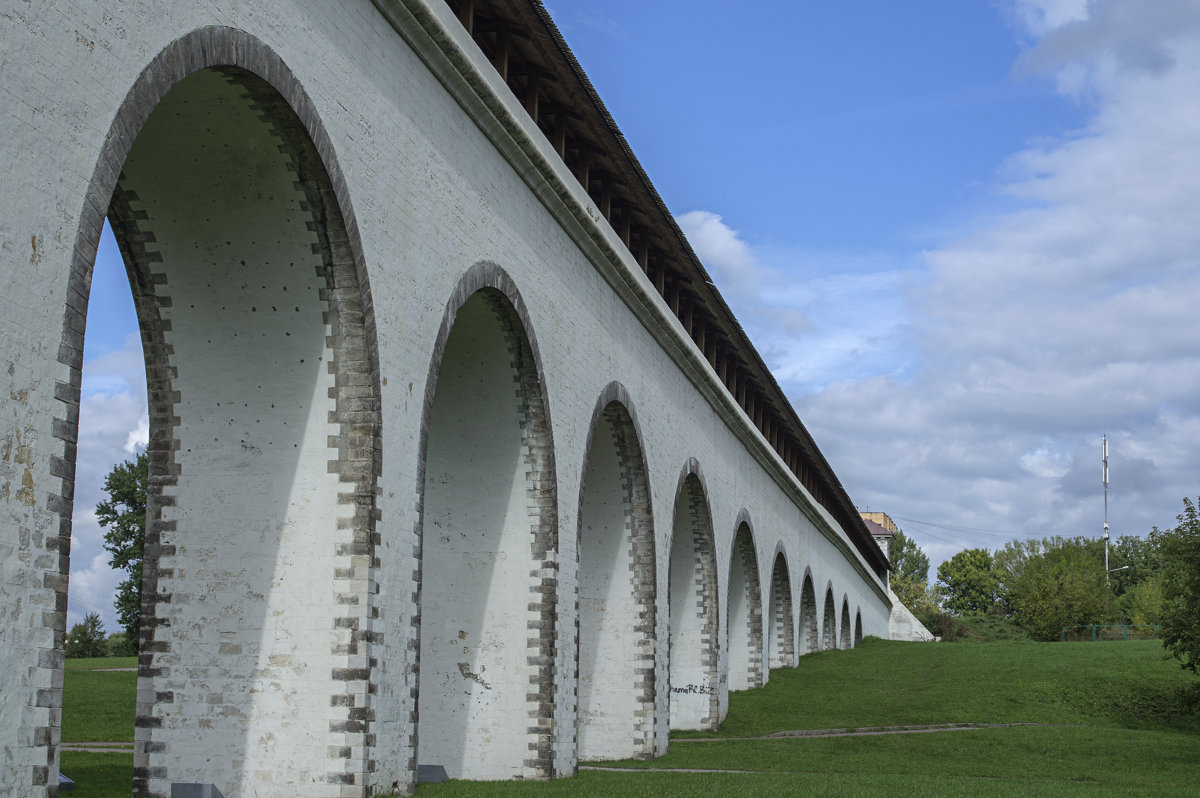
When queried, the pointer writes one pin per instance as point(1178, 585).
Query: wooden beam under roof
point(534, 41)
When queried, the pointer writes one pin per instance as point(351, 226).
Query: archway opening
point(829, 627)
point(858, 632)
point(616, 596)
point(846, 630)
point(694, 615)
point(810, 638)
point(262, 416)
point(112, 433)
point(781, 648)
point(745, 614)
point(488, 582)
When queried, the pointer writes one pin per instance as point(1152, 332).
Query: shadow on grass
point(98, 775)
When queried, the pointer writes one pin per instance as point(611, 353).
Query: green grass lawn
point(98, 703)
point(98, 706)
point(883, 683)
point(1120, 720)
point(98, 775)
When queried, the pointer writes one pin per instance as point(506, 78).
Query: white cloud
point(1049, 461)
point(844, 320)
point(138, 438)
point(92, 589)
point(1077, 36)
point(112, 419)
point(1025, 337)
point(723, 251)
point(1037, 18)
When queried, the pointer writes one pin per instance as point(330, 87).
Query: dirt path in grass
point(861, 731)
point(98, 748)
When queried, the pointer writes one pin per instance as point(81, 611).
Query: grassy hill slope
point(1112, 719)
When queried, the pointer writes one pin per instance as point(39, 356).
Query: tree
point(968, 583)
point(1062, 585)
point(907, 559)
point(910, 576)
point(1180, 551)
point(86, 638)
point(1009, 564)
point(1143, 603)
point(1134, 560)
point(123, 514)
point(120, 645)
point(917, 596)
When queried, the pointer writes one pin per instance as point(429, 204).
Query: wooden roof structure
point(532, 58)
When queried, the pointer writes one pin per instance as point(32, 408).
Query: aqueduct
point(457, 456)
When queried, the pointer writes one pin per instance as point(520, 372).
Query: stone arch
point(744, 624)
point(693, 611)
point(616, 605)
point(858, 632)
point(829, 625)
point(781, 650)
point(488, 514)
point(810, 635)
point(844, 641)
point(266, 209)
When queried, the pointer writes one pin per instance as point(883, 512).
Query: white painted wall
point(903, 625)
point(694, 629)
point(744, 641)
point(476, 561)
point(438, 180)
point(608, 608)
point(782, 617)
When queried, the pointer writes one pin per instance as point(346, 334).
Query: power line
point(964, 531)
point(935, 536)
point(75, 598)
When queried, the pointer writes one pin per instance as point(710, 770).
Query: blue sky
point(874, 124)
point(964, 235)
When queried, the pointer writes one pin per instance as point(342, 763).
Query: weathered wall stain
point(18, 450)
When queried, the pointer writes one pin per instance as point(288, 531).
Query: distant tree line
point(1043, 585)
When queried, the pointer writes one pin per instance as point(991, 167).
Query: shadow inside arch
point(488, 526)
point(259, 344)
point(694, 611)
point(617, 591)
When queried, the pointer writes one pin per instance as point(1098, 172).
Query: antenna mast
point(1104, 476)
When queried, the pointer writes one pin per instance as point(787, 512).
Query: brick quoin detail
point(537, 443)
point(808, 617)
point(829, 626)
point(704, 564)
point(615, 407)
point(642, 577)
point(357, 416)
point(150, 297)
point(538, 455)
point(743, 550)
point(289, 115)
point(782, 619)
